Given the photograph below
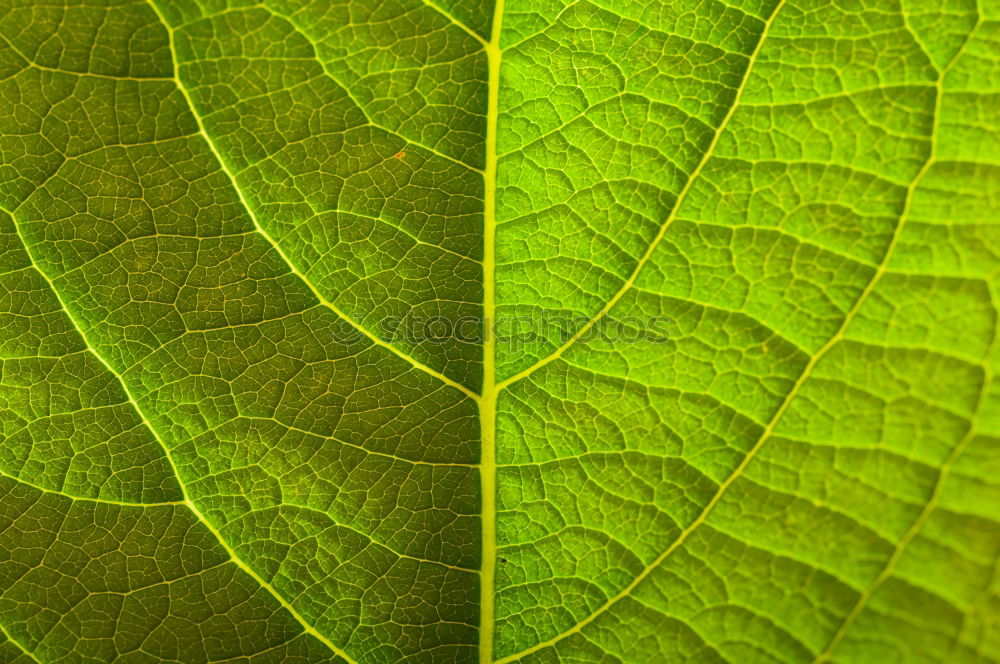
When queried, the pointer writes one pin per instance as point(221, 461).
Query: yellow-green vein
point(957, 451)
point(306, 626)
point(17, 644)
point(556, 354)
point(412, 361)
point(488, 404)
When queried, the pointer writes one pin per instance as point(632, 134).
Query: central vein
point(488, 402)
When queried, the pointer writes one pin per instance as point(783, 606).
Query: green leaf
point(551, 331)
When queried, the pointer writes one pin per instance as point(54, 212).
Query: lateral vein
point(685, 190)
point(956, 452)
point(768, 431)
point(627, 590)
point(412, 361)
point(462, 26)
point(17, 644)
point(307, 627)
point(87, 499)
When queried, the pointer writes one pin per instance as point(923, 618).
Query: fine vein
point(645, 572)
point(277, 248)
point(169, 457)
point(666, 224)
point(970, 434)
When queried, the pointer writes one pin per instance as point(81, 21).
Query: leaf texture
point(218, 219)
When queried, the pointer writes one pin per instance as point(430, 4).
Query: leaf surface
point(544, 331)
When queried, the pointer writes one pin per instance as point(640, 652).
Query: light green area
point(212, 448)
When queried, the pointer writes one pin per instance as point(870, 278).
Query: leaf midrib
point(488, 403)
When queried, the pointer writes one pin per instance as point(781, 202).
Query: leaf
point(550, 331)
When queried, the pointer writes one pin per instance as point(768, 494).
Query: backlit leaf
point(544, 331)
